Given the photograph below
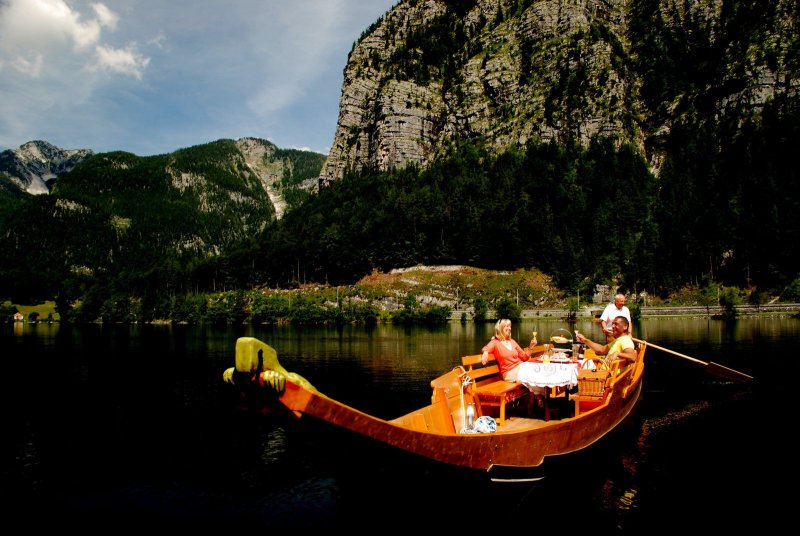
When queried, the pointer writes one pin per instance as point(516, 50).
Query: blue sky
point(154, 76)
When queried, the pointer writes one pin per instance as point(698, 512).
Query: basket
point(592, 382)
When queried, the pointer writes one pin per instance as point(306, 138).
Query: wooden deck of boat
point(518, 419)
point(516, 423)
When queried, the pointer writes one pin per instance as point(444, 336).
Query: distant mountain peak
point(35, 164)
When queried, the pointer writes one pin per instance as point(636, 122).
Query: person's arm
point(628, 354)
point(599, 349)
point(622, 349)
point(605, 319)
point(486, 350)
point(524, 353)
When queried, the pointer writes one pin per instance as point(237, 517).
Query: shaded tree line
point(585, 215)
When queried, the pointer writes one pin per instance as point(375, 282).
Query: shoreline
point(584, 313)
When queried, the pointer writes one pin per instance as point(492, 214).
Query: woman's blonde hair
point(498, 328)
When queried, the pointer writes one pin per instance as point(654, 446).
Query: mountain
point(647, 145)
point(117, 220)
point(36, 164)
point(653, 136)
point(509, 72)
point(286, 175)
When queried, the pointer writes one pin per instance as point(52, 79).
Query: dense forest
point(587, 216)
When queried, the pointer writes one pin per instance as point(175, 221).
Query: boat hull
point(512, 449)
point(433, 431)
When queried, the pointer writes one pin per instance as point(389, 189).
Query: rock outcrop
point(432, 72)
point(36, 164)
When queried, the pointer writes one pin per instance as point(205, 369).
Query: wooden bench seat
point(488, 388)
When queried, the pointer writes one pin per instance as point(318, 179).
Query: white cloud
point(49, 38)
point(105, 16)
point(150, 77)
point(46, 35)
point(124, 61)
point(47, 27)
point(31, 66)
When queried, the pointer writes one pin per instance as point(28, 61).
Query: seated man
point(621, 347)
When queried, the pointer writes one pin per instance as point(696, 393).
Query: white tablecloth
point(535, 375)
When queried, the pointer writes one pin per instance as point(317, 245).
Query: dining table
point(548, 374)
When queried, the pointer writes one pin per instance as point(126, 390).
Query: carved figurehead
point(258, 362)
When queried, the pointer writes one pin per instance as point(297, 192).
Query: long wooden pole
point(711, 367)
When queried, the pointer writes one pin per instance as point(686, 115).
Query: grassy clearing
point(45, 310)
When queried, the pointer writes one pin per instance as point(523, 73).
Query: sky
point(154, 76)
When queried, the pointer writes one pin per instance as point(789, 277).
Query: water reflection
point(135, 421)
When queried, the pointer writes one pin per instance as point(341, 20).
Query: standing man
point(612, 311)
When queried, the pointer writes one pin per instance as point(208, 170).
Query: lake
point(132, 426)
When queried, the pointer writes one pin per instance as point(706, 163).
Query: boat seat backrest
point(488, 387)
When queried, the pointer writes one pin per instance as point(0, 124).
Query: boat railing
point(631, 373)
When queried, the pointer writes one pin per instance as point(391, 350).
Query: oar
point(713, 368)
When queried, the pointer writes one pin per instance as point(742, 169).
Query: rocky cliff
point(36, 164)
point(259, 158)
point(511, 71)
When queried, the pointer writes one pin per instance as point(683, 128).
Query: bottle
point(470, 416)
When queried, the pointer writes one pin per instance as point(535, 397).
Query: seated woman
point(510, 355)
point(621, 347)
point(507, 351)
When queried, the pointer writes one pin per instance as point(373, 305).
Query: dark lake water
point(108, 427)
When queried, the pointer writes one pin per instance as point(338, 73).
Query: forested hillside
point(121, 231)
point(586, 216)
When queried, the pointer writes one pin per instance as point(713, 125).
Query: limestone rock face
point(499, 81)
point(258, 157)
point(431, 72)
point(36, 163)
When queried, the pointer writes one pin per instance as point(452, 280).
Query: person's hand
point(580, 338)
point(485, 358)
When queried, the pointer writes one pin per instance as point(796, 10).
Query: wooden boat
point(519, 446)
